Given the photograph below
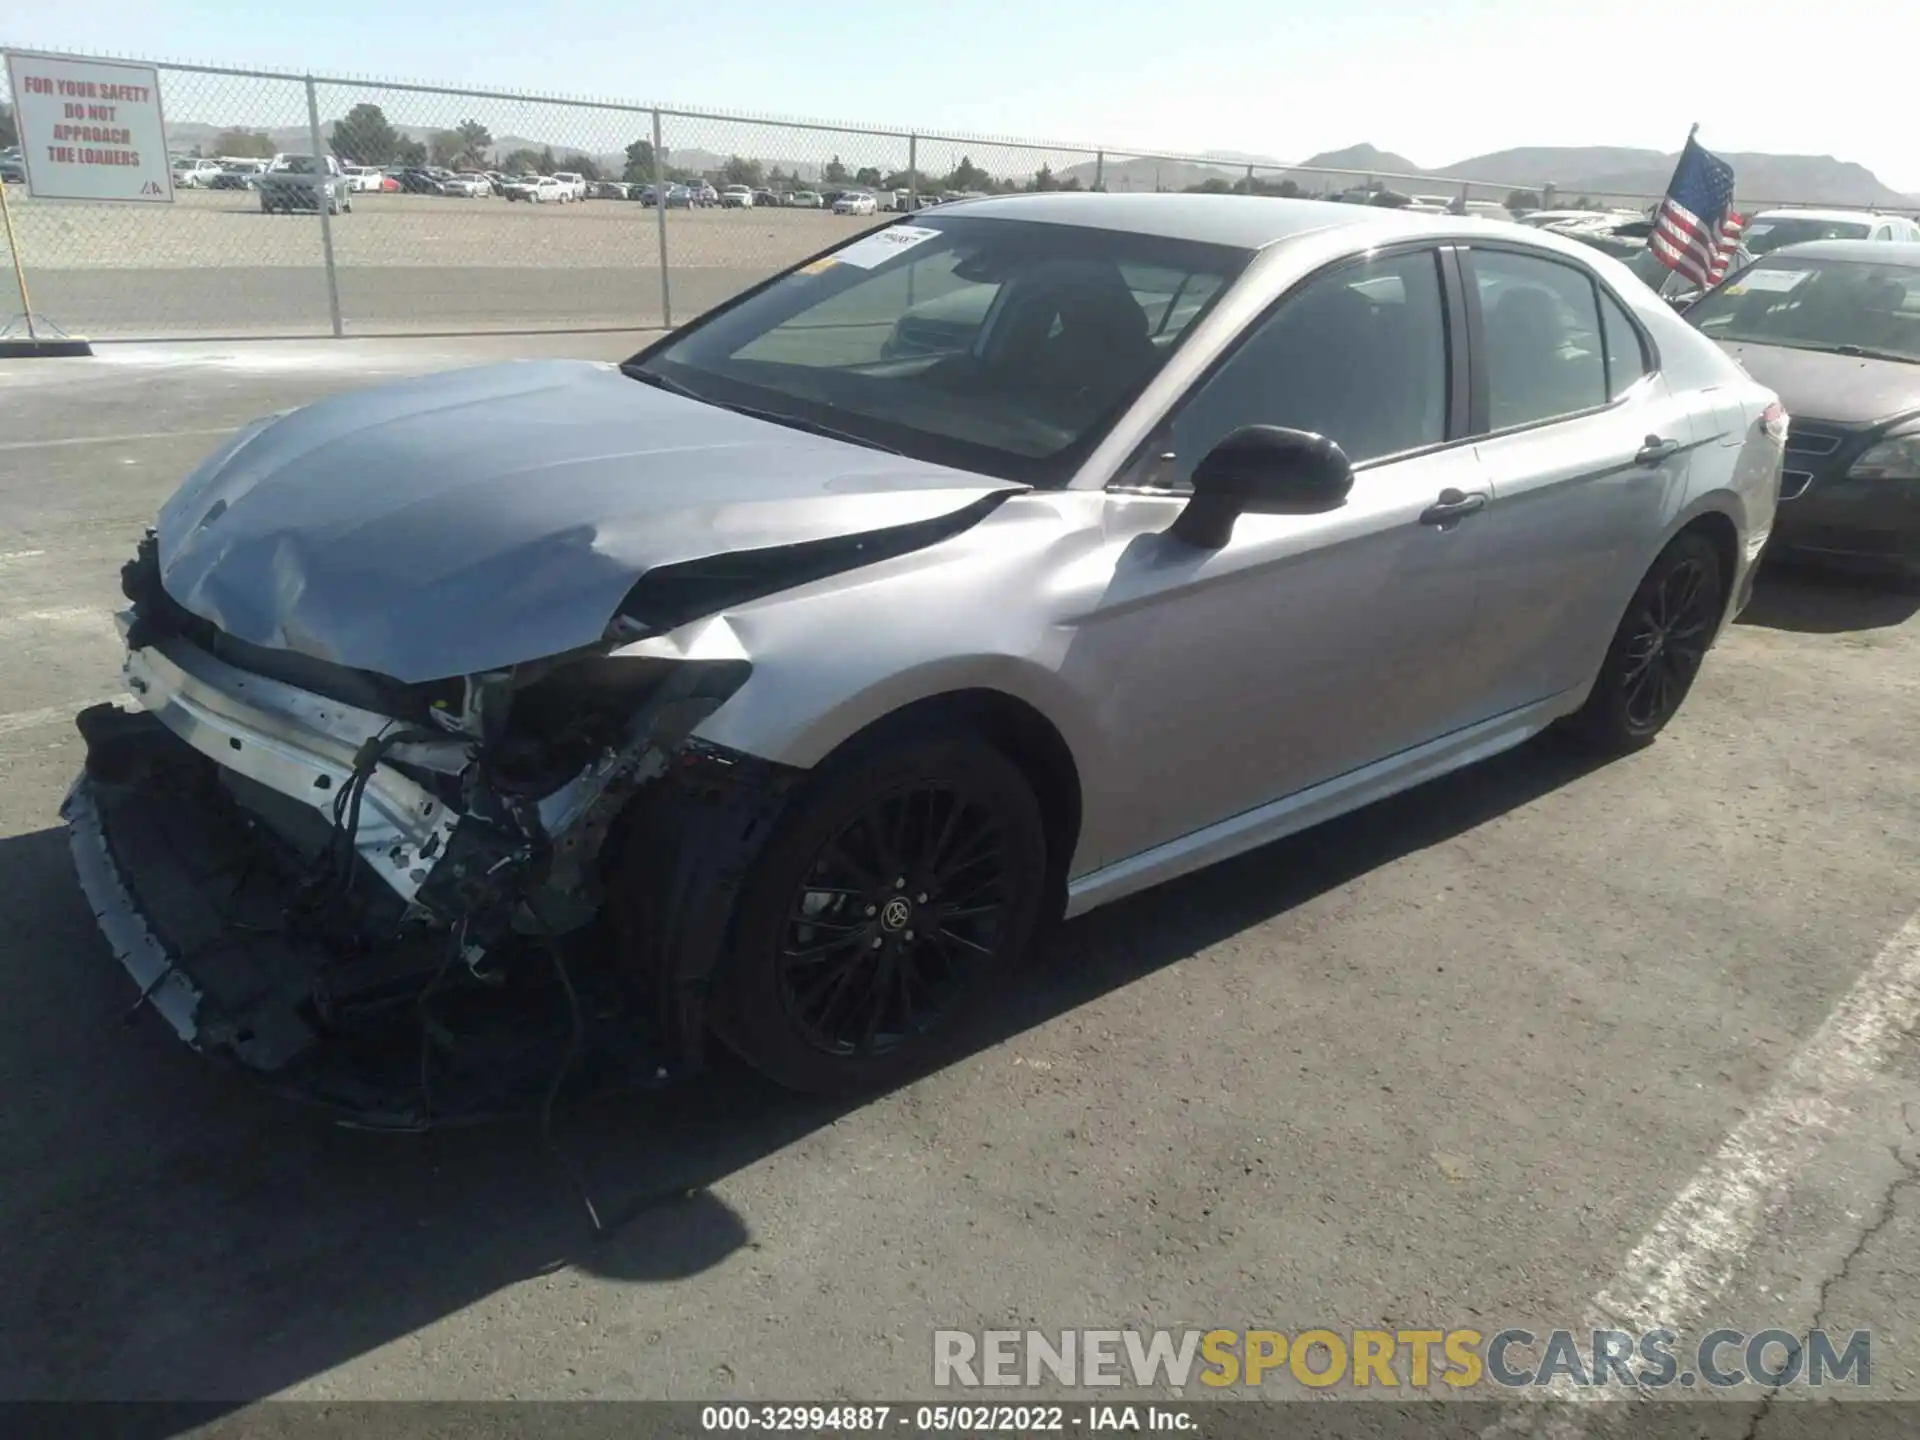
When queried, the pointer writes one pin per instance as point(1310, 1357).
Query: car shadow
point(171, 1233)
point(1822, 603)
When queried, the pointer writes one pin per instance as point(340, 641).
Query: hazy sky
point(1436, 83)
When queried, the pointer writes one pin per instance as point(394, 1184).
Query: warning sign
point(90, 129)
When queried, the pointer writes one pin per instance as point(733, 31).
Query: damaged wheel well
point(1023, 735)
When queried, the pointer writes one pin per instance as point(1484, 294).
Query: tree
point(365, 138)
point(581, 165)
point(1072, 182)
point(475, 141)
point(1212, 185)
point(238, 142)
point(969, 176)
point(9, 132)
point(521, 162)
point(1522, 200)
point(906, 180)
point(1043, 178)
point(867, 175)
point(835, 173)
point(407, 152)
point(742, 172)
point(444, 148)
point(640, 161)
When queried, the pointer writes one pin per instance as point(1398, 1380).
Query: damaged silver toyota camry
point(550, 718)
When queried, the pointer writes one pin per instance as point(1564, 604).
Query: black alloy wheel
point(896, 911)
point(1672, 626)
point(1658, 648)
point(898, 890)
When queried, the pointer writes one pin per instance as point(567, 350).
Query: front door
point(1309, 645)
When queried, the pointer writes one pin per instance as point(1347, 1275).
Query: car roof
point(1246, 222)
point(1878, 252)
point(1796, 214)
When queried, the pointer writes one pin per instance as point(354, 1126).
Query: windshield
point(1765, 236)
point(1002, 346)
point(1835, 305)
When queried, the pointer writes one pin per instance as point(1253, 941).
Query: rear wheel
point(897, 893)
point(1658, 649)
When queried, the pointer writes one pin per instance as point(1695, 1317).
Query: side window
point(1544, 353)
point(1358, 354)
point(1626, 359)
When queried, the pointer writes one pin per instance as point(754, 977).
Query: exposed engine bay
point(412, 902)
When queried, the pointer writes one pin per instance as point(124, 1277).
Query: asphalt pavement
point(1540, 1040)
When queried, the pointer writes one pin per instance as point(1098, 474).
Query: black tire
point(1658, 648)
point(827, 985)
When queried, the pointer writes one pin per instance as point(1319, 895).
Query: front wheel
point(1657, 649)
point(898, 891)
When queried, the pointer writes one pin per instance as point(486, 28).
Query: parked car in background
point(679, 197)
point(737, 197)
point(195, 174)
point(238, 175)
point(807, 200)
point(300, 182)
point(855, 202)
point(1834, 327)
point(703, 193)
point(390, 184)
point(1154, 596)
point(765, 197)
point(538, 190)
point(418, 180)
point(469, 185)
point(608, 190)
point(13, 168)
point(362, 178)
point(572, 184)
point(1771, 229)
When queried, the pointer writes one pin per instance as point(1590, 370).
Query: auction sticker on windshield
point(90, 129)
point(1771, 281)
point(881, 246)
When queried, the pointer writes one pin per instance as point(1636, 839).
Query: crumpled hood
point(480, 518)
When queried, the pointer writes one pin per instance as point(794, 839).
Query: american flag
point(1696, 230)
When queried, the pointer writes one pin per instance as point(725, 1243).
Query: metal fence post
point(913, 172)
point(1099, 169)
point(323, 202)
point(660, 222)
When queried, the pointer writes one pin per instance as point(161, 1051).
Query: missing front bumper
point(359, 1007)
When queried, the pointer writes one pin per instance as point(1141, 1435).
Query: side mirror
point(1267, 469)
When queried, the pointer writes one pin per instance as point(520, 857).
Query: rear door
point(1587, 452)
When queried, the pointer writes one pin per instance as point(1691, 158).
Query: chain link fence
point(657, 215)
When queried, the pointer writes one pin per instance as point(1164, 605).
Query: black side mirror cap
point(1266, 469)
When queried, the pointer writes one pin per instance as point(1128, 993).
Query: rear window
point(1818, 305)
point(1765, 236)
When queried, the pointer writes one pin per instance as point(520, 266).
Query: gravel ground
point(1450, 1061)
point(212, 265)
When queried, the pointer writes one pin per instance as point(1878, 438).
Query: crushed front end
point(393, 898)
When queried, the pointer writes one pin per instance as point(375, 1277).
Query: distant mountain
point(1600, 171)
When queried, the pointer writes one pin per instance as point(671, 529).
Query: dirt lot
point(212, 264)
point(1537, 1042)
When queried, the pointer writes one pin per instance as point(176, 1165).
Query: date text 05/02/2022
point(947, 1419)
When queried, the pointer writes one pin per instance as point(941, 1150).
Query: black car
point(417, 180)
point(1834, 327)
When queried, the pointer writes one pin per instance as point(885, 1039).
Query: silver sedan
point(776, 684)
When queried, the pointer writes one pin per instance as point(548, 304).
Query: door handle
point(1655, 450)
point(1453, 505)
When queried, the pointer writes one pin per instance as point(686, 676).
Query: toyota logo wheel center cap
point(895, 914)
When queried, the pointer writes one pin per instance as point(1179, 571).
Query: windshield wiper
point(1863, 352)
point(775, 417)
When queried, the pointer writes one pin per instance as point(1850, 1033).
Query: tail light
point(1773, 420)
